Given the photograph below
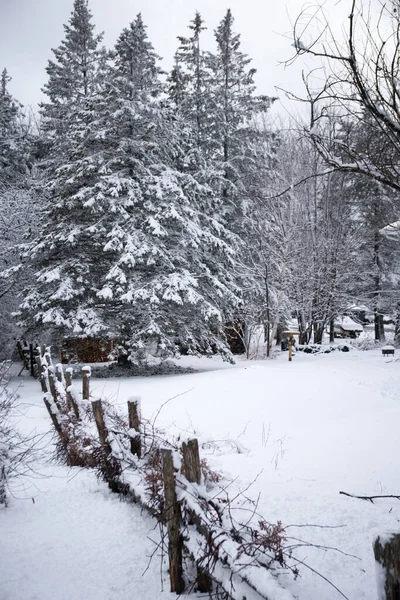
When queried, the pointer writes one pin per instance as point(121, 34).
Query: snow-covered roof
point(292, 325)
point(392, 230)
point(348, 324)
point(359, 308)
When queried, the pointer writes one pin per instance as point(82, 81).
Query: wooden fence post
point(41, 369)
point(70, 400)
point(47, 356)
point(173, 518)
point(59, 373)
point(31, 360)
point(52, 383)
point(387, 555)
point(134, 424)
point(191, 461)
point(53, 412)
point(110, 469)
point(68, 382)
point(101, 426)
point(86, 372)
point(192, 471)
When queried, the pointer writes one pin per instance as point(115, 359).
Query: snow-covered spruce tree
point(64, 254)
point(15, 203)
point(170, 277)
point(239, 150)
point(190, 87)
point(13, 136)
point(74, 76)
point(128, 250)
point(234, 108)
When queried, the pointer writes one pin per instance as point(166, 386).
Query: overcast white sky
point(30, 28)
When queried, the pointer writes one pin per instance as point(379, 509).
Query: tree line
point(163, 210)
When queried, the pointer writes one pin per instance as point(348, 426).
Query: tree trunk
point(387, 555)
point(332, 330)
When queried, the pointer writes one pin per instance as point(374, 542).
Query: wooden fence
point(137, 461)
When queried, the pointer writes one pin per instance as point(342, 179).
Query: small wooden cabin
point(346, 327)
point(86, 350)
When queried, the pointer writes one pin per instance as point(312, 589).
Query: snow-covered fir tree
point(74, 76)
point(16, 213)
point(128, 249)
point(13, 136)
point(234, 106)
point(61, 264)
point(191, 84)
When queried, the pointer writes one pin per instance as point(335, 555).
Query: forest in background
point(161, 209)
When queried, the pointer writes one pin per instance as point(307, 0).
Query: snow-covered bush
point(319, 349)
point(367, 343)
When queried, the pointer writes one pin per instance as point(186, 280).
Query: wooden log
point(134, 424)
point(191, 461)
point(53, 412)
point(86, 371)
point(387, 555)
point(173, 519)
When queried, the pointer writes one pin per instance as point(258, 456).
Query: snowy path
point(77, 541)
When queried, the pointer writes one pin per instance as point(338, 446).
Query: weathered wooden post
point(70, 400)
point(41, 371)
point(173, 518)
point(192, 471)
point(101, 426)
point(60, 373)
point(110, 468)
point(31, 360)
point(86, 372)
point(53, 412)
point(52, 383)
point(387, 555)
point(134, 425)
point(191, 461)
point(47, 356)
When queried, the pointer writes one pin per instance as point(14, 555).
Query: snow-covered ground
point(306, 430)
point(76, 540)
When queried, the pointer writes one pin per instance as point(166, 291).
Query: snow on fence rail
point(205, 528)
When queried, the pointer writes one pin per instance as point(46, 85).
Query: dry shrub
point(209, 475)
point(154, 481)
point(272, 537)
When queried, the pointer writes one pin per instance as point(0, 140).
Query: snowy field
point(304, 430)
